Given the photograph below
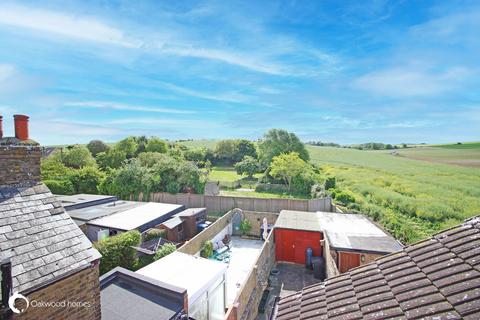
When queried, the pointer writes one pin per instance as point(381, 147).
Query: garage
point(294, 232)
point(291, 245)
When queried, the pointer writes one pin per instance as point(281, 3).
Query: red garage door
point(291, 245)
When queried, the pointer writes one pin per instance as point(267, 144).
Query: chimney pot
point(1, 127)
point(21, 126)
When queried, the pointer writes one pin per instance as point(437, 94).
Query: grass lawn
point(411, 198)
point(255, 194)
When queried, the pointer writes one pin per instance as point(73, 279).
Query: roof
point(191, 212)
point(438, 278)
point(172, 222)
point(41, 241)
point(348, 232)
point(136, 217)
point(182, 270)
point(86, 214)
point(83, 200)
point(127, 295)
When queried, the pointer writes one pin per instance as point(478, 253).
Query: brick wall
point(82, 286)
point(19, 163)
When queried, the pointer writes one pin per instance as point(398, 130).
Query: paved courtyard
point(244, 253)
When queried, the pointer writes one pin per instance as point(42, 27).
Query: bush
point(154, 234)
point(165, 250)
point(249, 166)
point(207, 250)
point(60, 186)
point(155, 144)
point(245, 226)
point(330, 183)
point(117, 251)
point(87, 180)
point(76, 156)
point(344, 197)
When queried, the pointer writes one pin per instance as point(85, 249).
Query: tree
point(132, 178)
point(287, 166)
point(248, 166)
point(224, 150)
point(97, 146)
point(243, 148)
point(112, 158)
point(276, 142)
point(53, 169)
point(155, 144)
point(87, 180)
point(76, 156)
point(128, 145)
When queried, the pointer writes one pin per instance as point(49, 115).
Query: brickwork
point(81, 287)
point(19, 164)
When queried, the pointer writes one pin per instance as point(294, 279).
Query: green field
point(411, 198)
point(466, 154)
point(200, 143)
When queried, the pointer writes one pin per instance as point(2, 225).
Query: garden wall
point(215, 204)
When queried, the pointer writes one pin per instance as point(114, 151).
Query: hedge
point(117, 251)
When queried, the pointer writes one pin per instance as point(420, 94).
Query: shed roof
point(182, 270)
point(191, 212)
point(349, 232)
point(83, 215)
point(438, 278)
point(172, 222)
point(82, 200)
point(128, 295)
point(136, 217)
point(41, 241)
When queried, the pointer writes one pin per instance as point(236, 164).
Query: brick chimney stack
point(19, 156)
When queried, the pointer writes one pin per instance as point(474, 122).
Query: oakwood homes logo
point(13, 298)
point(44, 304)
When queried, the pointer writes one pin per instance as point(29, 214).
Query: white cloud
point(164, 122)
point(406, 82)
point(6, 72)
point(121, 106)
point(234, 97)
point(83, 28)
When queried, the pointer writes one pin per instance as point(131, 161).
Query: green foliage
point(53, 169)
point(113, 158)
point(276, 141)
point(271, 187)
point(201, 156)
point(207, 249)
point(131, 178)
point(60, 186)
point(128, 145)
point(234, 150)
point(244, 148)
point(288, 166)
point(249, 166)
point(117, 251)
point(245, 226)
point(330, 183)
point(344, 197)
point(97, 146)
point(86, 180)
point(155, 144)
point(165, 250)
point(154, 234)
point(76, 156)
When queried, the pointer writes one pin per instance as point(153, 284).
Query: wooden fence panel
point(226, 203)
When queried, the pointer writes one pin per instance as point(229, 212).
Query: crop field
point(410, 198)
point(467, 154)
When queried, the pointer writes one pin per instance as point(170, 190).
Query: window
point(6, 285)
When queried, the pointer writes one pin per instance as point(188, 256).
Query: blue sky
point(341, 71)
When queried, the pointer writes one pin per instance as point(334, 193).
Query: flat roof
point(127, 295)
point(344, 231)
point(172, 222)
point(182, 270)
point(101, 210)
point(136, 217)
point(82, 200)
point(190, 212)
